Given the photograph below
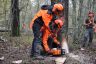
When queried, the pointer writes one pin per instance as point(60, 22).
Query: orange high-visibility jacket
point(45, 17)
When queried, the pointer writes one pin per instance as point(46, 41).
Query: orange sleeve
point(45, 43)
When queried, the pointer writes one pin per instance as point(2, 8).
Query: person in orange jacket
point(45, 16)
point(47, 34)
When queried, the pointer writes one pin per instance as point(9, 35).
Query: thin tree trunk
point(66, 5)
point(74, 19)
point(94, 2)
point(15, 17)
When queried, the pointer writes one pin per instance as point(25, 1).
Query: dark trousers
point(88, 37)
point(35, 51)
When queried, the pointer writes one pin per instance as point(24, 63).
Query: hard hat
point(59, 23)
point(58, 7)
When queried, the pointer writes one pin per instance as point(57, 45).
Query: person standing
point(88, 36)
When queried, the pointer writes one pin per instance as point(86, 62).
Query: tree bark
point(74, 20)
point(66, 5)
point(94, 2)
point(15, 17)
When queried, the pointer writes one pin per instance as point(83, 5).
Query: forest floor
point(18, 48)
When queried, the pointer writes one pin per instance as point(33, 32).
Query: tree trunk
point(66, 5)
point(74, 20)
point(15, 17)
point(94, 1)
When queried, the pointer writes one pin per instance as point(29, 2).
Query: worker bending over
point(45, 16)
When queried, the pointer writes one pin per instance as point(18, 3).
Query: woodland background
point(16, 37)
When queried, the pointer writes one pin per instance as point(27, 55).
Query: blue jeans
point(35, 51)
point(88, 37)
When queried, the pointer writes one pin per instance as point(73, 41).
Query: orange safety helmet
point(59, 23)
point(57, 7)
